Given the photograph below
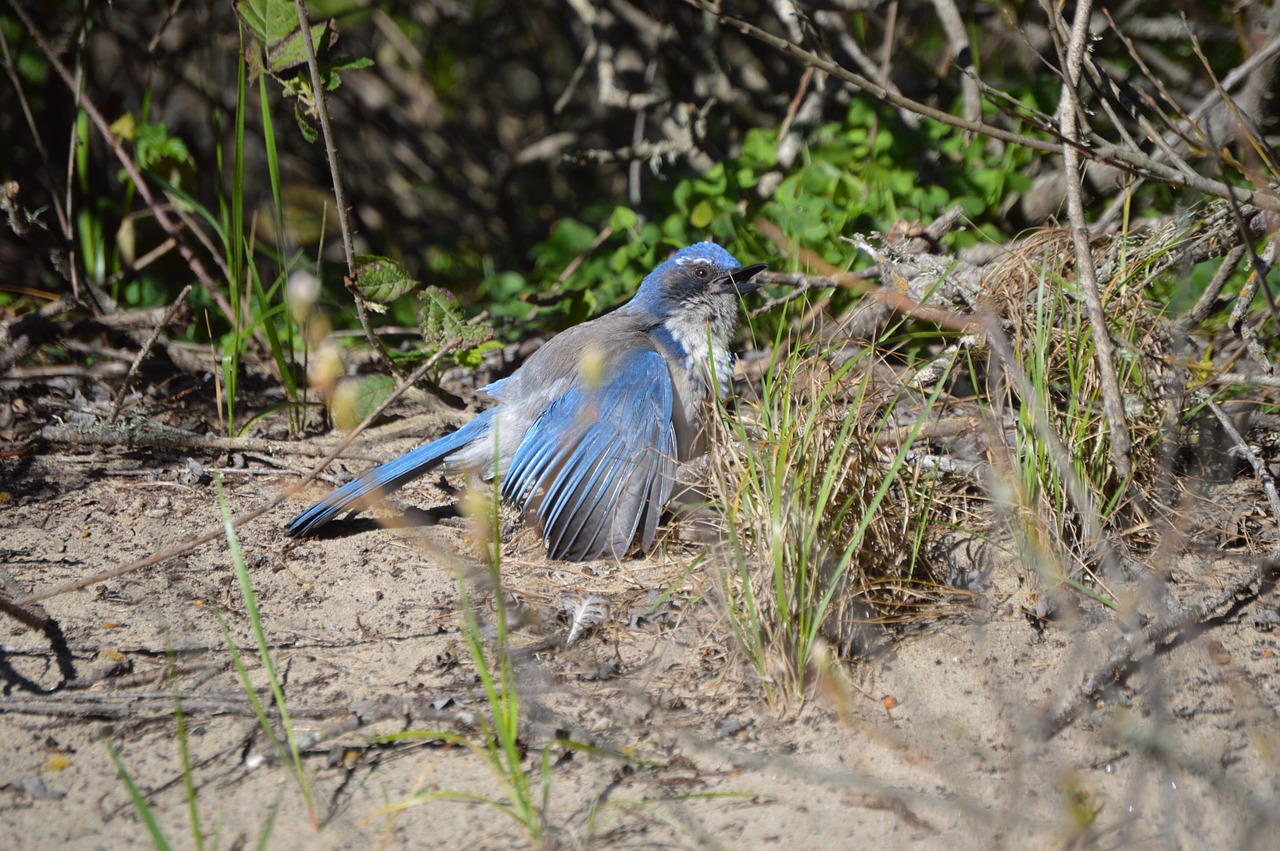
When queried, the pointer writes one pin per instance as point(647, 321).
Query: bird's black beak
point(739, 280)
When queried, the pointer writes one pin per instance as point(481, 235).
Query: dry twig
point(1127, 649)
point(145, 350)
point(1104, 351)
point(1124, 157)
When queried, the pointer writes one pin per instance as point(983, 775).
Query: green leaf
point(761, 147)
point(714, 183)
point(329, 76)
point(675, 230)
point(154, 145)
point(623, 219)
point(381, 279)
point(571, 237)
point(680, 196)
point(355, 398)
point(620, 260)
point(442, 322)
point(473, 357)
point(161, 155)
point(291, 52)
point(298, 86)
point(267, 20)
point(126, 126)
point(702, 214)
point(504, 287)
point(274, 25)
point(309, 131)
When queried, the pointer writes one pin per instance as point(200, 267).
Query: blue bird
point(589, 432)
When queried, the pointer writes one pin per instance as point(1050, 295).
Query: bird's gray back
point(583, 355)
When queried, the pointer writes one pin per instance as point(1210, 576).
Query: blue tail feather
point(382, 480)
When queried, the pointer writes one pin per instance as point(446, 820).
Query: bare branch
point(1104, 351)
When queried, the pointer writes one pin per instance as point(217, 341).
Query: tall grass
point(1061, 490)
point(257, 308)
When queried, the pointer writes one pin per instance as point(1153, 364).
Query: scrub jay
point(588, 433)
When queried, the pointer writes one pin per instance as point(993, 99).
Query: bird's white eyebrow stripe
point(692, 261)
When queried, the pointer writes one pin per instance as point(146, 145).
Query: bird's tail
point(380, 481)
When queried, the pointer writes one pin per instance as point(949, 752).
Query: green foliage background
point(481, 154)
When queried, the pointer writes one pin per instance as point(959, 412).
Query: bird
point(589, 432)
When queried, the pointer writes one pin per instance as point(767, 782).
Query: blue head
point(703, 278)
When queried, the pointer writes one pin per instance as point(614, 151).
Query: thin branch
point(146, 350)
point(1244, 380)
point(317, 91)
point(1126, 650)
point(1245, 451)
point(344, 220)
point(1104, 351)
point(1122, 157)
point(1210, 295)
point(836, 70)
point(953, 25)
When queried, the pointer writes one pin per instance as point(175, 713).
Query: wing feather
point(598, 466)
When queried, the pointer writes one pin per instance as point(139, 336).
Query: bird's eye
point(702, 271)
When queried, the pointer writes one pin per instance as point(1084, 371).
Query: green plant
point(1061, 502)
point(824, 528)
point(184, 758)
point(139, 801)
point(863, 173)
point(289, 750)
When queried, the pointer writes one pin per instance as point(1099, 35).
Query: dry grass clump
point(824, 529)
point(828, 520)
point(1035, 295)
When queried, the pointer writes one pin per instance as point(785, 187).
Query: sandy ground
point(365, 626)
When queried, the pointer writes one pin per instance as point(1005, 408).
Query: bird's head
point(701, 277)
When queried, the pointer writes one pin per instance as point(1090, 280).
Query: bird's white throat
point(706, 353)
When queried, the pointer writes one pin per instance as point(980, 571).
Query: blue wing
point(380, 481)
point(599, 465)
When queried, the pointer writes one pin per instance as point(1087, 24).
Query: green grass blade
point(184, 758)
point(139, 801)
point(264, 650)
